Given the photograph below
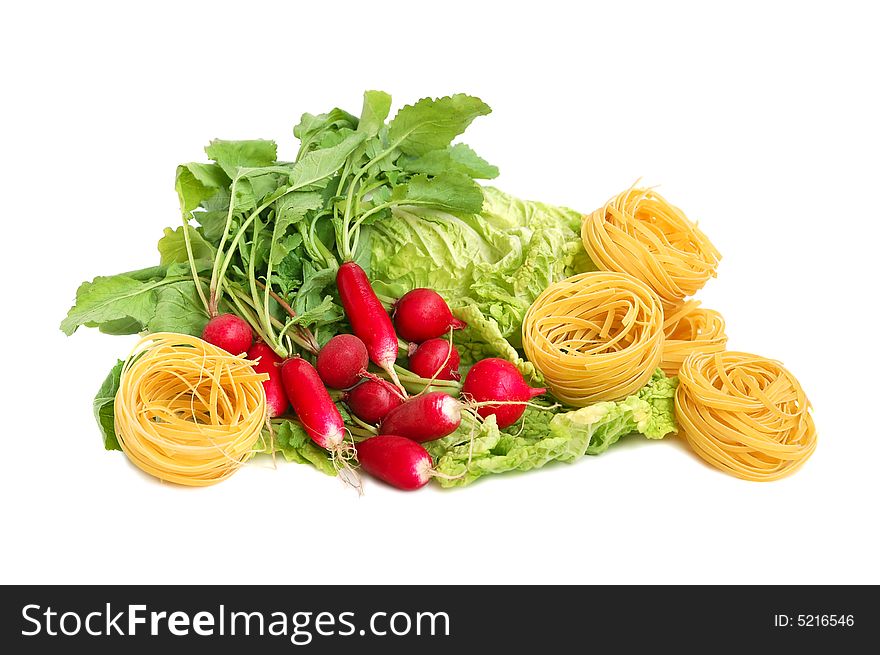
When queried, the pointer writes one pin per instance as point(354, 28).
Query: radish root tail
point(470, 404)
point(395, 379)
point(344, 459)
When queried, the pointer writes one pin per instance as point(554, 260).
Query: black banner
point(418, 619)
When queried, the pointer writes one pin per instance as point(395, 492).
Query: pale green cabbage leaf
point(544, 436)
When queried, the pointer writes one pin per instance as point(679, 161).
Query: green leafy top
point(400, 163)
point(263, 238)
point(280, 229)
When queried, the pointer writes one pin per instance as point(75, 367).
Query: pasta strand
point(691, 328)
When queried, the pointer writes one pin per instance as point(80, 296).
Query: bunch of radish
point(492, 386)
point(395, 455)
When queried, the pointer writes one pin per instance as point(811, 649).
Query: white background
point(760, 120)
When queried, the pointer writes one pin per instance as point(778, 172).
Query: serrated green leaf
point(178, 309)
point(212, 215)
point(294, 207)
point(291, 209)
point(232, 155)
point(432, 124)
point(311, 293)
point(451, 192)
point(310, 126)
point(257, 186)
point(332, 138)
point(195, 183)
point(282, 247)
point(455, 159)
point(321, 164)
point(107, 299)
point(172, 248)
point(323, 313)
point(375, 147)
point(289, 272)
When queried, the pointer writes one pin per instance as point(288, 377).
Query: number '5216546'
point(813, 620)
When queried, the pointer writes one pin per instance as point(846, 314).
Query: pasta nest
point(640, 233)
point(744, 414)
point(595, 336)
point(186, 411)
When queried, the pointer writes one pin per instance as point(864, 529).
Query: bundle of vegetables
point(375, 246)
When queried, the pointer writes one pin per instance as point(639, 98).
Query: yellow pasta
point(594, 336)
point(186, 411)
point(640, 233)
point(745, 414)
point(688, 329)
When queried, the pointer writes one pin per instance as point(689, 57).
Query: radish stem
point(304, 332)
point(192, 267)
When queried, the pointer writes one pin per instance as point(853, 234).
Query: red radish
point(424, 418)
point(370, 401)
point(368, 317)
point(432, 359)
point(497, 379)
point(230, 332)
point(313, 404)
point(422, 314)
point(269, 363)
point(342, 360)
point(400, 462)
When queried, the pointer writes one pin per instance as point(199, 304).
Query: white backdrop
point(759, 120)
